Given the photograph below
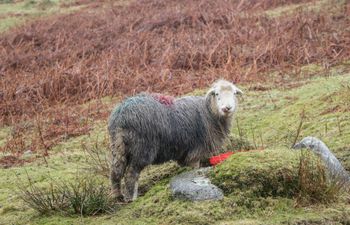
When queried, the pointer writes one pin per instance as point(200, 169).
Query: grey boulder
point(195, 186)
point(335, 168)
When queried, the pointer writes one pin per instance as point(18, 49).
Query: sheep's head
point(222, 96)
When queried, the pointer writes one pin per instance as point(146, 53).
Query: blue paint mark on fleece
point(130, 101)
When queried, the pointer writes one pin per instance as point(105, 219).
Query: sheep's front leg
point(193, 158)
point(194, 164)
point(131, 183)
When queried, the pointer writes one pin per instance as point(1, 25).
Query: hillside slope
point(274, 113)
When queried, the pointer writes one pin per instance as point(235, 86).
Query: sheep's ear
point(237, 90)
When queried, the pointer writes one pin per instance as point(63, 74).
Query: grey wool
point(151, 129)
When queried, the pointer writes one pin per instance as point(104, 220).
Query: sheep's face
point(224, 97)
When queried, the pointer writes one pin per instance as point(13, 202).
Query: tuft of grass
point(44, 200)
point(315, 186)
point(83, 196)
point(89, 197)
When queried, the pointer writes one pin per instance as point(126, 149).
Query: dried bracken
point(160, 46)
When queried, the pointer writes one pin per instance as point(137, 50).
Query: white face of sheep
point(224, 94)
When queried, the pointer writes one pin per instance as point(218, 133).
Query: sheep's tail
point(119, 160)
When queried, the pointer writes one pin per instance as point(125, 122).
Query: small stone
point(27, 154)
point(195, 186)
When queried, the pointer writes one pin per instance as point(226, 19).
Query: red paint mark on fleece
point(164, 99)
point(222, 157)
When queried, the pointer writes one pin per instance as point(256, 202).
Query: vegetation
point(291, 61)
point(82, 196)
point(321, 103)
point(14, 13)
point(261, 185)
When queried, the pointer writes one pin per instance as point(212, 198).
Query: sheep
point(152, 129)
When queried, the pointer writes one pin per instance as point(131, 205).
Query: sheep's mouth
point(226, 113)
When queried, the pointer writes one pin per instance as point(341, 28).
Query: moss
point(259, 173)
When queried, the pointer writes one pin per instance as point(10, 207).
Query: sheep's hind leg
point(143, 155)
point(131, 183)
point(116, 182)
point(119, 163)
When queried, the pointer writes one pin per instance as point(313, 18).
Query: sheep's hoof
point(117, 196)
point(128, 199)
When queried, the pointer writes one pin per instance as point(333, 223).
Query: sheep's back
point(188, 122)
point(142, 115)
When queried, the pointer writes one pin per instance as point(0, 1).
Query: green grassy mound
point(268, 173)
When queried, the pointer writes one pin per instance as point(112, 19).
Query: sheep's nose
point(226, 108)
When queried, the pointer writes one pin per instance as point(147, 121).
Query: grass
point(274, 113)
point(16, 13)
point(82, 196)
point(288, 9)
point(256, 173)
point(253, 177)
point(311, 6)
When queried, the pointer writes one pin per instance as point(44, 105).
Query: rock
point(195, 186)
point(27, 154)
point(335, 168)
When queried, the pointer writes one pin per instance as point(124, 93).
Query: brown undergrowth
point(152, 45)
point(39, 134)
